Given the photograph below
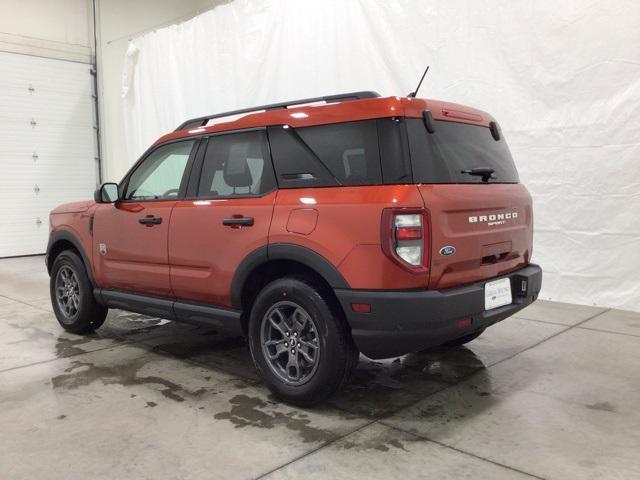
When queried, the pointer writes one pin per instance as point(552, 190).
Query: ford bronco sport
point(318, 229)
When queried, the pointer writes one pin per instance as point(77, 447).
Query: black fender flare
point(283, 251)
point(68, 236)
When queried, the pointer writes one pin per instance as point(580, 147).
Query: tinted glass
point(236, 164)
point(394, 154)
point(349, 150)
point(296, 165)
point(160, 174)
point(440, 157)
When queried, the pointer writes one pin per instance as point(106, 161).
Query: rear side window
point(440, 157)
point(295, 164)
point(349, 150)
point(236, 164)
point(369, 152)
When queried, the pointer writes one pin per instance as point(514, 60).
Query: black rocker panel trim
point(224, 320)
point(133, 302)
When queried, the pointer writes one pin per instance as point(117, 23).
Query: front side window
point(160, 174)
point(236, 164)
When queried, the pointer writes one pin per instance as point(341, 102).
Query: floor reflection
point(378, 388)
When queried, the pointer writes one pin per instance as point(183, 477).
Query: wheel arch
point(62, 240)
point(268, 263)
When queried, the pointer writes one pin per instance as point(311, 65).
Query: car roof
point(323, 112)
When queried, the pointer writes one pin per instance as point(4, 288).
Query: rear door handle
point(238, 222)
point(151, 220)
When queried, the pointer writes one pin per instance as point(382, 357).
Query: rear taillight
point(408, 238)
point(405, 237)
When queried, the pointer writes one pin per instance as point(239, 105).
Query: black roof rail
point(202, 121)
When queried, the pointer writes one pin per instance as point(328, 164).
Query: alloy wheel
point(290, 342)
point(67, 292)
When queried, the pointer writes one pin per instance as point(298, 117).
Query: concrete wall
point(47, 28)
point(117, 22)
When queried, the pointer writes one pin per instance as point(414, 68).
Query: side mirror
point(106, 193)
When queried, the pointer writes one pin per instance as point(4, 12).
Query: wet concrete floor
point(552, 393)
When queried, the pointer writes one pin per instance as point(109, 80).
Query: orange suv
point(319, 229)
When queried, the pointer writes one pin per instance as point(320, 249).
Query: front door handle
point(238, 221)
point(150, 220)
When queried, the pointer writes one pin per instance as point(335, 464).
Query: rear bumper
point(401, 322)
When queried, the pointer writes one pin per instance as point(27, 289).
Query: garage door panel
point(39, 186)
point(22, 94)
point(29, 89)
point(29, 119)
point(49, 167)
point(51, 115)
point(27, 84)
point(55, 139)
point(51, 161)
point(43, 74)
point(33, 237)
point(43, 156)
point(25, 189)
point(46, 109)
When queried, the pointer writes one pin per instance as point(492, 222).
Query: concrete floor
point(551, 393)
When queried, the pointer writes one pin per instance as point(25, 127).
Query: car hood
point(73, 207)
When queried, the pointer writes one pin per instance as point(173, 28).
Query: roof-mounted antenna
point(415, 92)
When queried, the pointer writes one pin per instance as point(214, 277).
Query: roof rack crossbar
point(202, 121)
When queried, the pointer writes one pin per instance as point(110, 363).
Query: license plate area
point(497, 293)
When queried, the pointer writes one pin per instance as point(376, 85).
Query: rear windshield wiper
point(485, 172)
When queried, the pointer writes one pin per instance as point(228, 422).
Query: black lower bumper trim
point(401, 322)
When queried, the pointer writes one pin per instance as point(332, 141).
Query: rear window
point(440, 157)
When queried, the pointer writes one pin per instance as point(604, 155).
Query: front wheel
point(299, 342)
point(72, 297)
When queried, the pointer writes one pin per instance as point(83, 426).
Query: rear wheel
point(462, 340)
point(299, 342)
point(72, 297)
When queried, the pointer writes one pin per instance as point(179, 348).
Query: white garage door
point(47, 146)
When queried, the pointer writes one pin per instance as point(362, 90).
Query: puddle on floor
point(80, 374)
point(253, 411)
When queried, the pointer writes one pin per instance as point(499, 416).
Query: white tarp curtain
point(562, 78)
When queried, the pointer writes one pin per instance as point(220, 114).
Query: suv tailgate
point(489, 226)
point(486, 219)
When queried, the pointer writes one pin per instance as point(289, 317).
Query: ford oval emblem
point(448, 250)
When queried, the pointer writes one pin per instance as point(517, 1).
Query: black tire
point(81, 313)
point(458, 342)
point(335, 358)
